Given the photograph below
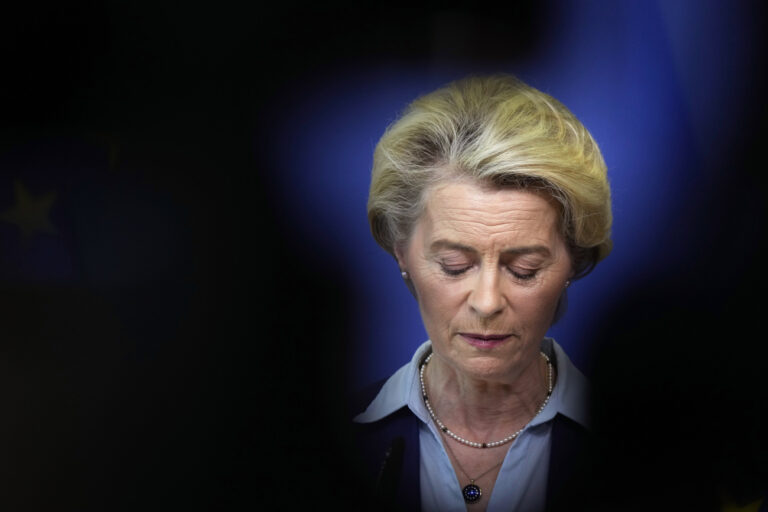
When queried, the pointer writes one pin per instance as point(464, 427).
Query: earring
point(404, 274)
point(567, 284)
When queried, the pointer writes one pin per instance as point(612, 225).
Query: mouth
point(485, 340)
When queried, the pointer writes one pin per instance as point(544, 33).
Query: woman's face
point(488, 267)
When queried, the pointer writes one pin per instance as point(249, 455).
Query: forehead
point(467, 212)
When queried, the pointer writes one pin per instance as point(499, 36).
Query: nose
point(485, 298)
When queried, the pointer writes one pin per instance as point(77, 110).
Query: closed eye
point(454, 270)
point(523, 275)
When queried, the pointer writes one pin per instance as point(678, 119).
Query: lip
point(484, 340)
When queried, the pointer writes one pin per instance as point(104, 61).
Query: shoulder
point(379, 400)
point(380, 412)
point(360, 399)
point(386, 437)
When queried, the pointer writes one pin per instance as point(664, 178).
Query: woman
point(493, 198)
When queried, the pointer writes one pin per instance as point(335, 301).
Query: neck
point(485, 409)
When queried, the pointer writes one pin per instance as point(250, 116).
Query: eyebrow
point(527, 249)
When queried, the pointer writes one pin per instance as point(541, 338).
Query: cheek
point(439, 302)
point(434, 298)
point(539, 307)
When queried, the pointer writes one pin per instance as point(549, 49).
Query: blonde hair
point(496, 131)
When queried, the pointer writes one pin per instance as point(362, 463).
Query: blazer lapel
point(390, 446)
point(568, 464)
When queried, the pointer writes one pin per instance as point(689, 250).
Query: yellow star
point(749, 507)
point(29, 213)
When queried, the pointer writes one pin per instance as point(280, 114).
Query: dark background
point(174, 345)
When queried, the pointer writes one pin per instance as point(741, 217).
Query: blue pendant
point(471, 492)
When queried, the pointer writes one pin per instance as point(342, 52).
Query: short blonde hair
point(496, 131)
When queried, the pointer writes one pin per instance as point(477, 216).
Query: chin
point(486, 367)
point(494, 364)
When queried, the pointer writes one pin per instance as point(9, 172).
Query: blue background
point(658, 84)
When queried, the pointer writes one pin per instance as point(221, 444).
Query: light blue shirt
point(526, 465)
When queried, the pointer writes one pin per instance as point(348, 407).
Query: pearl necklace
point(473, 443)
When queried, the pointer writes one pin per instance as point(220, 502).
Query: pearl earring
point(404, 274)
point(567, 284)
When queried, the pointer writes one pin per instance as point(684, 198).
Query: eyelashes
point(523, 276)
point(454, 271)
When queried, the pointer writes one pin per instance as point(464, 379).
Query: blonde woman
point(492, 198)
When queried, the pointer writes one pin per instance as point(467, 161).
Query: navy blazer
point(388, 451)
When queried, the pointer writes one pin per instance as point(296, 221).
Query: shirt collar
point(570, 396)
point(403, 388)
